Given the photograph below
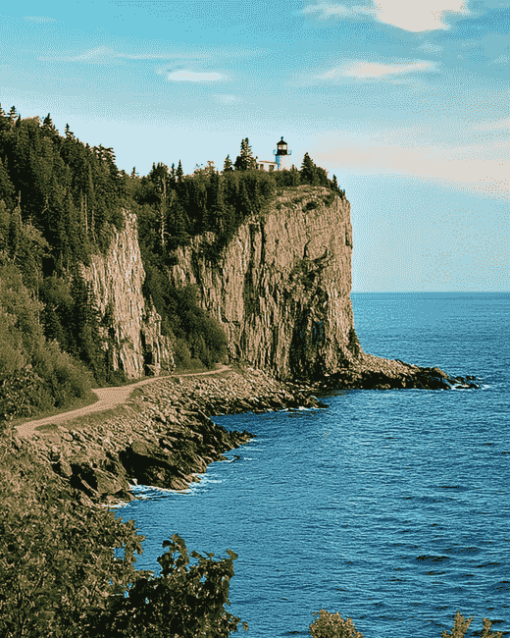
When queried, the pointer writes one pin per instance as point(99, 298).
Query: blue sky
point(406, 101)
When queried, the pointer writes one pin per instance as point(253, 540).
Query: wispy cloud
point(330, 10)
point(495, 125)
point(430, 48)
point(193, 76)
point(417, 15)
point(40, 19)
point(227, 99)
point(410, 15)
point(503, 59)
point(107, 55)
point(480, 167)
point(367, 70)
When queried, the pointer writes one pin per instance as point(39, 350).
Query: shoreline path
point(108, 398)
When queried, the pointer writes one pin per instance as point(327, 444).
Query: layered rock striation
point(281, 288)
point(115, 281)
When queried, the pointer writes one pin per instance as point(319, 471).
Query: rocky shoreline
point(374, 373)
point(165, 437)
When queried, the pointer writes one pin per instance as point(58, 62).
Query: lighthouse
point(282, 155)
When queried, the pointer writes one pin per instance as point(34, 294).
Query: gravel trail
point(107, 398)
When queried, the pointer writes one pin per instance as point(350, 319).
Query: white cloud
point(329, 10)
point(106, 55)
point(360, 69)
point(192, 76)
point(419, 15)
point(503, 59)
point(479, 167)
point(430, 48)
point(494, 125)
point(410, 15)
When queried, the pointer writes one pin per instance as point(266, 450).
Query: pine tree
point(308, 170)
point(48, 125)
point(227, 166)
point(6, 187)
point(245, 160)
point(179, 173)
point(159, 177)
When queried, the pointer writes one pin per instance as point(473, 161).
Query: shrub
point(327, 625)
point(60, 575)
point(461, 625)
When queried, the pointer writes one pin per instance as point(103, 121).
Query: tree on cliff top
point(245, 160)
point(307, 170)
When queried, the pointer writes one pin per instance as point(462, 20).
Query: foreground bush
point(461, 625)
point(327, 625)
point(60, 575)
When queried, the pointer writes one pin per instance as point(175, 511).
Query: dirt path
point(108, 398)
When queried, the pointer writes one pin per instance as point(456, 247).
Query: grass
point(75, 405)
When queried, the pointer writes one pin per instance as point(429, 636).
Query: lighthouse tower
point(282, 155)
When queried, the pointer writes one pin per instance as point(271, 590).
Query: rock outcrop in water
point(164, 438)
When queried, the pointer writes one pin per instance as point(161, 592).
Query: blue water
point(392, 507)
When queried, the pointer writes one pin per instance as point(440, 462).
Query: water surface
point(392, 507)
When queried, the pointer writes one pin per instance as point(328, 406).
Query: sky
point(405, 101)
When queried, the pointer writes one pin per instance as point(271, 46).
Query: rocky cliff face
point(281, 289)
point(116, 281)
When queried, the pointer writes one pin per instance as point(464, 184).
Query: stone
point(116, 281)
point(63, 468)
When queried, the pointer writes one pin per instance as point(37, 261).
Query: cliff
point(281, 288)
point(116, 281)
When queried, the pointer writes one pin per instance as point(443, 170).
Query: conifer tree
point(245, 160)
point(48, 124)
point(179, 173)
point(173, 177)
point(6, 187)
point(308, 170)
point(227, 165)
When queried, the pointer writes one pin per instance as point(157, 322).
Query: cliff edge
point(281, 288)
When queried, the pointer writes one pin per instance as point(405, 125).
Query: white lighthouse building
point(281, 156)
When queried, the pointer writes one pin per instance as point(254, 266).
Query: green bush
point(35, 375)
point(68, 571)
point(461, 625)
point(327, 625)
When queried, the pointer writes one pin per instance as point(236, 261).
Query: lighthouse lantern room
point(282, 154)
